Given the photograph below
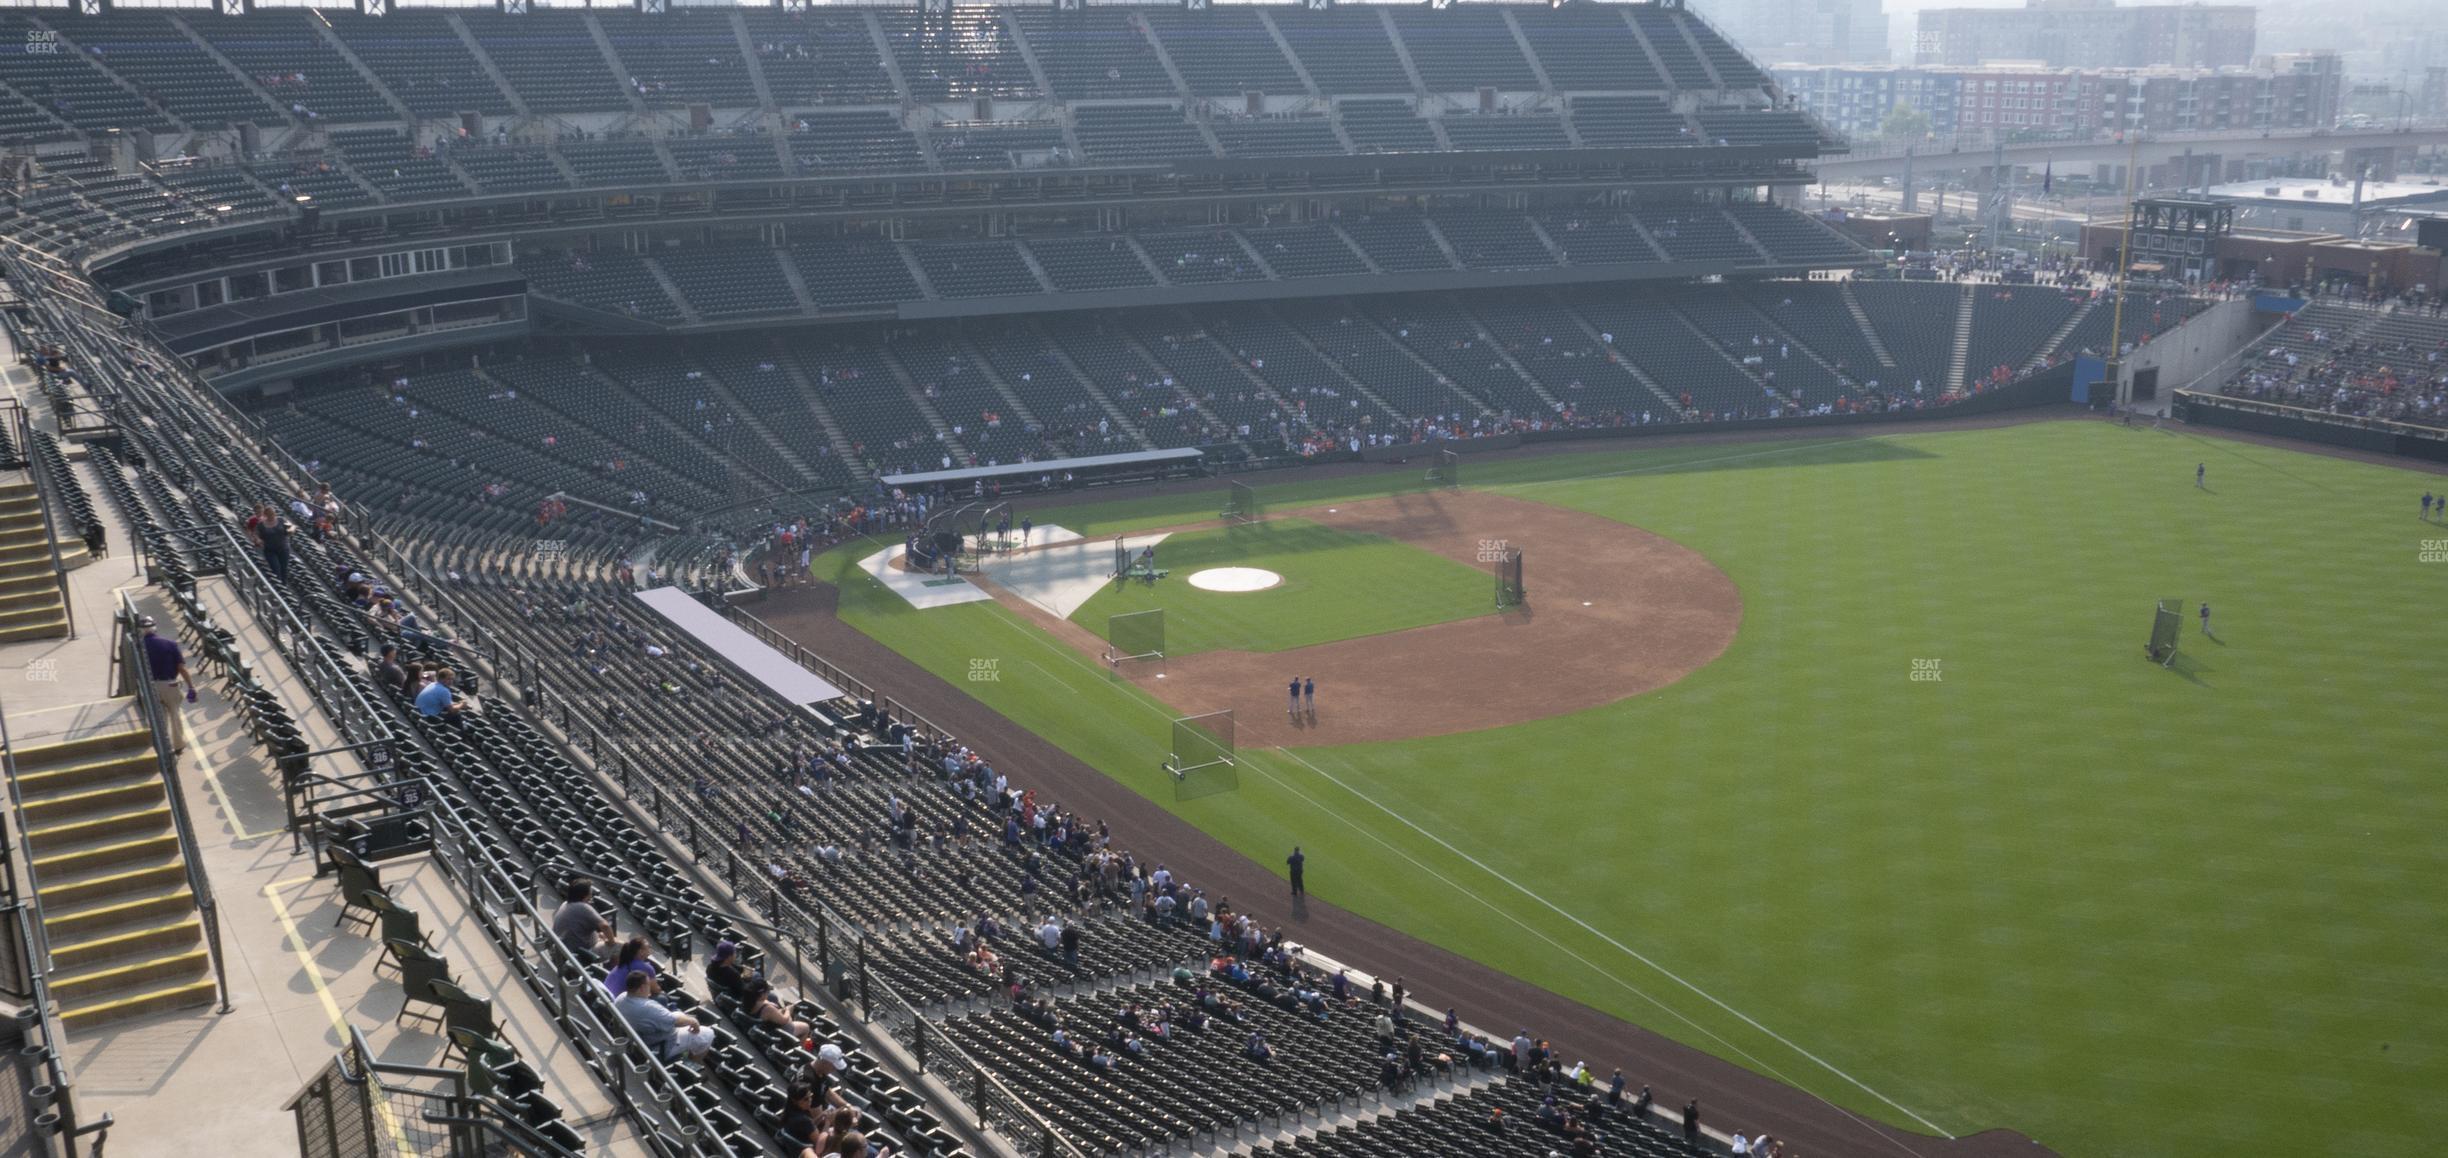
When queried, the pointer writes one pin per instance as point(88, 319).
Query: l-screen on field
point(1913, 822)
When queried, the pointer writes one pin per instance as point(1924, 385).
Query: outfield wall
point(2051, 387)
point(2199, 346)
point(2311, 426)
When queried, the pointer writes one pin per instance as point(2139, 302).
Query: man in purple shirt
point(166, 665)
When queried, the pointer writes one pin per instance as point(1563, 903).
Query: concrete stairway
point(125, 937)
point(30, 606)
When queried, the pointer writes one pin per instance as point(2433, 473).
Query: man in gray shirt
point(577, 923)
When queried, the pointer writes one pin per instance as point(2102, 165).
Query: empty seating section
point(1599, 237)
point(680, 57)
point(422, 60)
point(1573, 366)
point(754, 374)
point(1207, 375)
point(1790, 236)
point(1223, 52)
point(1275, 136)
point(725, 157)
point(1347, 334)
point(1386, 126)
point(1096, 262)
point(1507, 131)
point(629, 160)
point(1070, 417)
point(956, 54)
point(870, 141)
point(1319, 395)
point(2009, 322)
point(207, 187)
point(1396, 242)
point(554, 64)
point(584, 425)
point(1493, 241)
point(1629, 122)
point(397, 166)
point(1777, 127)
point(2146, 315)
point(852, 275)
point(288, 58)
point(151, 53)
point(605, 279)
point(1459, 49)
point(976, 269)
point(876, 414)
point(1916, 322)
point(1199, 256)
point(1133, 385)
point(964, 146)
point(1345, 50)
point(1093, 53)
point(1458, 1125)
point(1305, 251)
point(509, 168)
point(1695, 233)
point(818, 57)
point(1585, 47)
point(1123, 134)
point(1746, 336)
point(63, 80)
point(1683, 364)
point(957, 387)
point(673, 385)
point(1815, 312)
point(22, 122)
point(1664, 32)
point(1732, 66)
point(309, 175)
point(730, 281)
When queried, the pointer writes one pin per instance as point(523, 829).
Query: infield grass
point(2124, 909)
point(1336, 585)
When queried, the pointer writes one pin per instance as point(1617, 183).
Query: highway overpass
point(2197, 158)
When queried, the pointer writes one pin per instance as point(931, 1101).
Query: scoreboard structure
point(2179, 236)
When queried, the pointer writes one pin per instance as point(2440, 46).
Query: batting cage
point(1135, 635)
point(1509, 589)
point(1241, 503)
point(1446, 471)
point(2167, 627)
point(1203, 760)
point(965, 535)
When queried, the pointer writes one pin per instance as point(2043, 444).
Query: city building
point(2031, 101)
point(2088, 34)
point(1806, 31)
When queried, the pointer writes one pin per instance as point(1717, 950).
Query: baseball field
point(1840, 759)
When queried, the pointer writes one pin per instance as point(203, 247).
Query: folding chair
point(356, 879)
point(420, 969)
point(463, 1011)
point(398, 924)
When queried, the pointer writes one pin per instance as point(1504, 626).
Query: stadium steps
point(925, 405)
point(110, 880)
point(1959, 361)
point(2048, 349)
point(1186, 394)
point(1309, 83)
point(1259, 380)
point(1861, 318)
point(1121, 420)
point(917, 269)
point(814, 398)
point(1538, 68)
point(1369, 318)
point(688, 312)
point(518, 104)
point(214, 55)
point(1548, 239)
point(1164, 60)
point(1701, 334)
point(1035, 268)
point(798, 286)
point(1683, 29)
point(1749, 239)
point(30, 603)
point(1616, 356)
point(1443, 244)
point(331, 39)
point(892, 68)
point(1794, 340)
point(1145, 259)
point(612, 60)
point(1256, 258)
point(756, 77)
point(976, 360)
point(1362, 251)
point(1411, 72)
point(1487, 338)
point(678, 429)
point(1028, 54)
point(1657, 64)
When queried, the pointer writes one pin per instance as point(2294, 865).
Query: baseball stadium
point(1325, 579)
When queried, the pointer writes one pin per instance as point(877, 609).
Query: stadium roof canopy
point(1092, 462)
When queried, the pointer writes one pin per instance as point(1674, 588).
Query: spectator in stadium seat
point(388, 674)
point(578, 923)
point(631, 958)
point(437, 701)
point(670, 1035)
point(1258, 1050)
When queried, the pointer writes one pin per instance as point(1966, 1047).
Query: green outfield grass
point(2127, 910)
point(1336, 585)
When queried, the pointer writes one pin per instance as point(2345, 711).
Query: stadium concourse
point(409, 341)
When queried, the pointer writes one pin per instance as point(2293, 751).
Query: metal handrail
point(25, 851)
point(199, 883)
point(24, 915)
point(24, 434)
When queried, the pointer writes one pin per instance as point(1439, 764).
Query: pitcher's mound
point(1235, 579)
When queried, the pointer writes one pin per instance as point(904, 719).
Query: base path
point(1614, 612)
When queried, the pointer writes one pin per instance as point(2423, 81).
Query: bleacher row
point(668, 429)
point(134, 69)
point(2364, 363)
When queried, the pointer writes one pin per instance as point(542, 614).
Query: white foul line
point(1626, 950)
